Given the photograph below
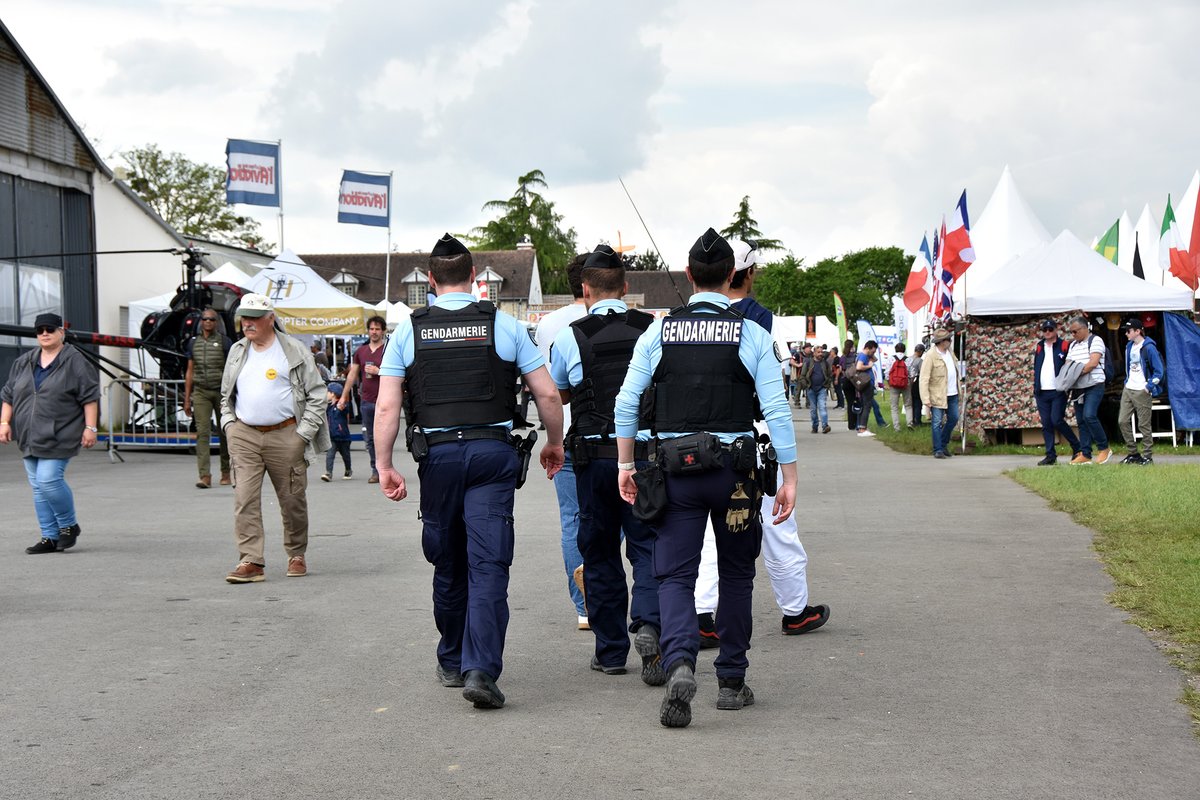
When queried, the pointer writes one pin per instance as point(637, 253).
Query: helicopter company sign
point(324, 321)
point(365, 199)
point(252, 175)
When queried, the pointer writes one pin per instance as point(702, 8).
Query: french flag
point(943, 291)
point(919, 289)
point(957, 252)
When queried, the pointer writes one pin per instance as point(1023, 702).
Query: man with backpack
point(1051, 403)
point(1089, 350)
point(1143, 382)
point(817, 376)
point(899, 388)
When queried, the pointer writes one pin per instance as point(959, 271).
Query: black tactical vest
point(605, 346)
point(457, 379)
point(701, 383)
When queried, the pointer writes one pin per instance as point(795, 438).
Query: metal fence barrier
point(148, 413)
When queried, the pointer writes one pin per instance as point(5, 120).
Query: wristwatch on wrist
point(626, 466)
point(91, 428)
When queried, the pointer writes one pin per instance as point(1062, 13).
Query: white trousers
point(783, 556)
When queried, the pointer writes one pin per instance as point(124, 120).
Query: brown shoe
point(246, 573)
point(577, 576)
point(296, 567)
point(225, 481)
point(374, 478)
point(205, 482)
point(1103, 456)
point(1080, 458)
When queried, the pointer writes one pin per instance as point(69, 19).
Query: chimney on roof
point(525, 244)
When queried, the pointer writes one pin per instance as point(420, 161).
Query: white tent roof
point(1125, 242)
point(1006, 229)
point(228, 273)
point(1067, 274)
point(1185, 209)
point(305, 302)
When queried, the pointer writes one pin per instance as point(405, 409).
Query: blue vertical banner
point(365, 199)
point(253, 175)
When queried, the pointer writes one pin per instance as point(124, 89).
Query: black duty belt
point(599, 449)
point(468, 435)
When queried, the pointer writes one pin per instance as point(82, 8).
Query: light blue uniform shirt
point(512, 344)
point(757, 351)
point(566, 365)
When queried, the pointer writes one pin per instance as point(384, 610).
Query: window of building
point(41, 292)
point(417, 293)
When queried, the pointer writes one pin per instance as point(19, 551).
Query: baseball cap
point(745, 254)
point(1133, 323)
point(255, 305)
point(1048, 325)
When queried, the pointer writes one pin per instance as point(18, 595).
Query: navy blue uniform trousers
point(467, 493)
point(602, 517)
point(1052, 408)
point(691, 499)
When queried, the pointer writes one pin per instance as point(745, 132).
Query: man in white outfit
point(783, 555)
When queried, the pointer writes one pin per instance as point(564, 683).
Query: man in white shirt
point(273, 414)
point(564, 482)
point(1090, 351)
point(1049, 355)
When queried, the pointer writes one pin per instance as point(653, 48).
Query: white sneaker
point(327, 477)
point(865, 433)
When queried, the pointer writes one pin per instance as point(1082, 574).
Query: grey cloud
point(152, 66)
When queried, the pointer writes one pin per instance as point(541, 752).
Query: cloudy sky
point(848, 125)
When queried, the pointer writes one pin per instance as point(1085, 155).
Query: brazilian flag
point(1107, 246)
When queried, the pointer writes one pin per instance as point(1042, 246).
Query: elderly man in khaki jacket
point(273, 415)
point(939, 390)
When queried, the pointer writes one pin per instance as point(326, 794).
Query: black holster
point(418, 445)
point(768, 471)
point(524, 454)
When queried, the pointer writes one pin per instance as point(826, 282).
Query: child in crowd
point(339, 433)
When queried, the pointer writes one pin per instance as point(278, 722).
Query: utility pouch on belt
point(418, 445)
point(580, 455)
point(744, 459)
point(691, 454)
point(651, 501)
point(524, 453)
point(768, 473)
point(742, 508)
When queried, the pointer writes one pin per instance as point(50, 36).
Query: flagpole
point(387, 263)
point(279, 187)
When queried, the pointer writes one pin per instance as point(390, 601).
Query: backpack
point(1110, 371)
point(898, 374)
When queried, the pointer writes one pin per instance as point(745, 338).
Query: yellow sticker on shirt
point(272, 374)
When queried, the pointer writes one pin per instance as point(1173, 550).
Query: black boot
point(67, 536)
point(480, 689)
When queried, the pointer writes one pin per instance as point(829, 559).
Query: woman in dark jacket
point(49, 407)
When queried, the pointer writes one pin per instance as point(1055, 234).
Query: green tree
point(529, 214)
point(745, 227)
point(865, 279)
point(189, 196)
point(644, 262)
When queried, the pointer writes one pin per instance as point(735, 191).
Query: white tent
point(1125, 242)
point(1006, 229)
point(228, 273)
point(306, 303)
point(1185, 209)
point(1066, 274)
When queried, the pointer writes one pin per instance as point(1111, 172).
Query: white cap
point(745, 254)
point(255, 305)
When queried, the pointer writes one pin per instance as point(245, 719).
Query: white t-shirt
point(1082, 352)
point(951, 372)
point(1046, 376)
point(1136, 380)
point(547, 331)
point(264, 390)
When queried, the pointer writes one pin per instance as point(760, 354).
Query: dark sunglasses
point(208, 319)
point(44, 329)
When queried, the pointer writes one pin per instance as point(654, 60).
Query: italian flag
point(1172, 257)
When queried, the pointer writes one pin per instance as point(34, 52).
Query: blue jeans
point(1087, 416)
point(942, 422)
point(368, 426)
point(52, 497)
point(817, 406)
point(1052, 408)
point(568, 515)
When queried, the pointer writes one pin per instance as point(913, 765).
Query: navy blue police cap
point(449, 246)
point(710, 248)
point(603, 257)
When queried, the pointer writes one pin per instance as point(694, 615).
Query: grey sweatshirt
point(48, 422)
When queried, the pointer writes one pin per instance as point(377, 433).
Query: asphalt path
point(970, 653)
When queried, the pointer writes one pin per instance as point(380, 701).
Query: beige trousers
point(1139, 401)
point(280, 455)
